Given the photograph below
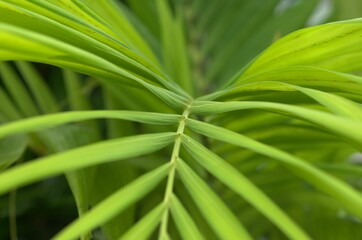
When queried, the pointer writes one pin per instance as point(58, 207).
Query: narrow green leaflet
point(43, 19)
point(106, 151)
point(144, 227)
point(341, 126)
point(335, 46)
point(78, 98)
point(88, 31)
point(32, 46)
point(115, 204)
point(78, 184)
point(7, 107)
point(107, 179)
point(337, 104)
point(302, 76)
point(63, 138)
point(42, 94)
point(184, 223)
point(73, 86)
point(245, 188)
point(221, 219)
point(113, 126)
point(350, 198)
point(52, 120)
point(242, 29)
point(175, 58)
point(146, 13)
point(113, 13)
point(127, 94)
point(18, 92)
point(307, 76)
point(11, 149)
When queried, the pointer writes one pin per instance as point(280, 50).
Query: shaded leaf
point(11, 149)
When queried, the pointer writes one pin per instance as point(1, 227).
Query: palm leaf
point(95, 154)
point(246, 160)
point(111, 206)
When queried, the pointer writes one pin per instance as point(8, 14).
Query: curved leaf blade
point(144, 228)
point(114, 204)
point(342, 126)
point(53, 120)
point(220, 218)
point(242, 186)
point(107, 151)
point(185, 224)
point(350, 198)
point(11, 149)
point(335, 46)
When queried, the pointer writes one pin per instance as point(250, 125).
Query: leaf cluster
point(186, 119)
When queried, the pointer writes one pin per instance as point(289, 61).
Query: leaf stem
point(171, 176)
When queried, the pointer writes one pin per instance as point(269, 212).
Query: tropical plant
point(175, 120)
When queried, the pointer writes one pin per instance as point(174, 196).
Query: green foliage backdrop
point(182, 119)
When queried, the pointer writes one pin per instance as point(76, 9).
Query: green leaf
point(116, 128)
point(41, 48)
point(46, 26)
point(42, 94)
point(43, 122)
point(78, 20)
point(11, 149)
point(334, 46)
point(107, 151)
point(66, 137)
point(108, 178)
point(144, 227)
point(242, 186)
point(145, 58)
point(341, 126)
point(242, 29)
point(7, 107)
point(310, 77)
point(222, 220)
point(185, 224)
point(337, 104)
point(175, 58)
point(79, 184)
point(18, 92)
point(76, 98)
point(115, 203)
point(114, 13)
point(349, 197)
point(146, 13)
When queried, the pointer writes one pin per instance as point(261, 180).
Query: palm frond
point(186, 119)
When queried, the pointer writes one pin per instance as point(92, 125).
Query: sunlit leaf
point(232, 178)
point(221, 219)
point(97, 153)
